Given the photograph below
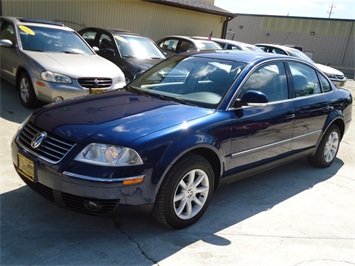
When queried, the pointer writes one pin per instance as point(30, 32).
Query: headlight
point(331, 75)
point(55, 77)
point(109, 155)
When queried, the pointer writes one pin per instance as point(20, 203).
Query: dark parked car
point(176, 44)
point(131, 52)
point(180, 130)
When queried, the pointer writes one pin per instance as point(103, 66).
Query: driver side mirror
point(6, 43)
point(252, 98)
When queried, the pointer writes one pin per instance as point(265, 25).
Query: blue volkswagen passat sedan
point(179, 131)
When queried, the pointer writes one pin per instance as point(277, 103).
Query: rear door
point(311, 105)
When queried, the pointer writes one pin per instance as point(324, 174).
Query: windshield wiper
point(70, 52)
point(129, 56)
point(173, 99)
point(136, 91)
point(34, 50)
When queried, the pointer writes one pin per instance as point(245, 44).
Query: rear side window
point(305, 80)
point(325, 84)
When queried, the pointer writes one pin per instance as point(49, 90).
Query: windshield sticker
point(120, 38)
point(27, 30)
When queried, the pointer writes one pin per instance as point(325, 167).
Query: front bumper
point(338, 82)
point(50, 91)
point(80, 193)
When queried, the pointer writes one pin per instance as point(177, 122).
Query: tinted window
point(325, 84)
point(169, 44)
point(7, 32)
point(305, 80)
point(269, 79)
point(186, 46)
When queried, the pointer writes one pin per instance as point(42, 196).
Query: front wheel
point(26, 91)
point(328, 148)
point(185, 193)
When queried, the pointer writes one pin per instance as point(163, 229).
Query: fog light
point(92, 206)
point(58, 99)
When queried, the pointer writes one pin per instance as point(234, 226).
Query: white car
point(336, 76)
point(232, 44)
point(49, 62)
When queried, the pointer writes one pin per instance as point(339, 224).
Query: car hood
point(328, 69)
point(113, 117)
point(75, 65)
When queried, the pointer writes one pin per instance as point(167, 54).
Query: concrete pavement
point(292, 215)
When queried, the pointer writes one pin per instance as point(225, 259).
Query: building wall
point(326, 41)
point(148, 19)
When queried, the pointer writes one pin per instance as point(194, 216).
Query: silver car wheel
point(331, 146)
point(191, 194)
point(24, 89)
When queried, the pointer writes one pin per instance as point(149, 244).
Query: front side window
point(170, 45)
point(305, 80)
point(269, 79)
point(193, 80)
point(7, 32)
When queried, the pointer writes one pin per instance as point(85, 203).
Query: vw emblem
point(38, 139)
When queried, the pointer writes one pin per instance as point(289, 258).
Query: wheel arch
point(206, 152)
point(20, 70)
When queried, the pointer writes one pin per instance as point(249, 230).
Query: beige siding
point(149, 19)
point(333, 41)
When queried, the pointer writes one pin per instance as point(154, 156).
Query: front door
point(263, 133)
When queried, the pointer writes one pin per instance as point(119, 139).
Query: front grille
point(92, 83)
point(52, 149)
point(40, 189)
point(82, 204)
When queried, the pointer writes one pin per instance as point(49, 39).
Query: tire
point(26, 92)
point(327, 149)
point(185, 192)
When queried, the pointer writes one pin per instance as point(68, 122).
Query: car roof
point(241, 56)
point(36, 22)
point(111, 30)
point(219, 40)
point(189, 38)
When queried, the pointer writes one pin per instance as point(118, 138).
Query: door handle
point(290, 116)
point(326, 109)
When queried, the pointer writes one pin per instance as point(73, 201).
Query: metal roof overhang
point(195, 5)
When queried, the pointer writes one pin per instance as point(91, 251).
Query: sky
point(337, 9)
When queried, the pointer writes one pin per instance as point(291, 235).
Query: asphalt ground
point(292, 215)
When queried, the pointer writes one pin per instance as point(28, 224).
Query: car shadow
point(11, 108)
point(36, 231)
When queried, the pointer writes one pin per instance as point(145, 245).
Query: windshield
point(42, 39)
point(190, 80)
point(137, 47)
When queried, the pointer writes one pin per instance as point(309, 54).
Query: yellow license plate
point(94, 91)
point(26, 167)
